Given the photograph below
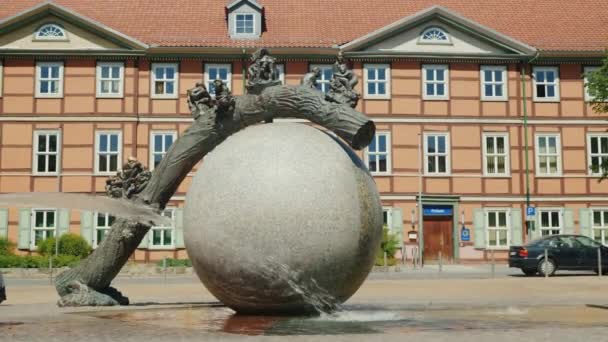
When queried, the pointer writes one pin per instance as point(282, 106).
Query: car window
point(549, 242)
point(587, 242)
point(570, 242)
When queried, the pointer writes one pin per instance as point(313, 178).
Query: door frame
point(452, 201)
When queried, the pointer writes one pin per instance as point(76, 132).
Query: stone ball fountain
point(282, 218)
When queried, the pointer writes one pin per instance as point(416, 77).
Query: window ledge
point(376, 174)
point(424, 98)
point(40, 96)
point(443, 175)
point(118, 96)
point(506, 176)
point(497, 99)
point(164, 97)
point(376, 97)
point(541, 100)
point(160, 248)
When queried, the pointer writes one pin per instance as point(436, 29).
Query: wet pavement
point(567, 308)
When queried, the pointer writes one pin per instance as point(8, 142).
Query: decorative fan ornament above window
point(434, 35)
point(51, 32)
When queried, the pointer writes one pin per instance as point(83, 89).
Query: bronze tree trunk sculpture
point(88, 284)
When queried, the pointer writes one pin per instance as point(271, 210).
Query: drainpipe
point(244, 70)
point(526, 146)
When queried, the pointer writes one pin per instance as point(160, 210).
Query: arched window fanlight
point(51, 32)
point(434, 35)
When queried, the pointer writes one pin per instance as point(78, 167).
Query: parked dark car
point(565, 252)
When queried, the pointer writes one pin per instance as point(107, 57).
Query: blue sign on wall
point(465, 234)
point(437, 210)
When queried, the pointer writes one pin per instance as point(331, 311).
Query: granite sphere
point(282, 218)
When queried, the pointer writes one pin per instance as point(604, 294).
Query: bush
point(37, 261)
point(6, 247)
point(69, 245)
point(390, 245)
point(175, 263)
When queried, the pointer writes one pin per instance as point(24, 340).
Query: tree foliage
point(597, 86)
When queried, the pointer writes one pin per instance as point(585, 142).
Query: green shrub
point(175, 263)
point(390, 245)
point(37, 261)
point(69, 244)
point(6, 247)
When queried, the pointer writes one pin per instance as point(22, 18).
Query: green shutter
point(535, 233)
point(179, 228)
point(516, 228)
point(585, 222)
point(25, 228)
point(86, 226)
point(397, 224)
point(63, 225)
point(568, 221)
point(479, 224)
point(3, 223)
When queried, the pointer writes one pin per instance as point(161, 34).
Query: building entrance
point(438, 237)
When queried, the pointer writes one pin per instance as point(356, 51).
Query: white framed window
point(44, 225)
point(281, 71)
point(387, 217)
point(548, 155)
point(108, 152)
point(589, 69)
point(597, 153)
point(165, 80)
point(546, 84)
point(103, 224)
point(434, 35)
point(550, 221)
point(244, 23)
point(49, 79)
point(160, 142)
point(51, 32)
point(163, 237)
point(218, 72)
point(435, 85)
point(110, 79)
point(600, 225)
point(496, 154)
point(377, 155)
point(498, 228)
point(327, 73)
point(437, 153)
point(377, 81)
point(47, 147)
point(493, 83)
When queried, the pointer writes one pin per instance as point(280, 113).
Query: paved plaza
point(464, 303)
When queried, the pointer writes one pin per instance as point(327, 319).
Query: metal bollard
point(546, 258)
point(414, 257)
point(51, 269)
point(440, 261)
point(165, 269)
point(600, 269)
point(385, 262)
point(493, 265)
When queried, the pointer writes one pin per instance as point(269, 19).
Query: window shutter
point(585, 222)
point(25, 228)
point(3, 223)
point(568, 221)
point(535, 233)
point(516, 228)
point(479, 224)
point(63, 225)
point(86, 226)
point(179, 228)
point(397, 224)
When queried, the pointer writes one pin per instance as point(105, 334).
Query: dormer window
point(50, 32)
point(245, 19)
point(434, 35)
point(245, 24)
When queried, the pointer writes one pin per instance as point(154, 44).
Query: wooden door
point(438, 237)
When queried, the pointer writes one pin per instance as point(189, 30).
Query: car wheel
point(529, 272)
point(547, 267)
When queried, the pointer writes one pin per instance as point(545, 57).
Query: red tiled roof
point(563, 25)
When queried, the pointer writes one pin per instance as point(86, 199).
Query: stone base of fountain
point(282, 218)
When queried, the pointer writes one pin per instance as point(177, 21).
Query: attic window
point(51, 32)
point(434, 35)
point(244, 24)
